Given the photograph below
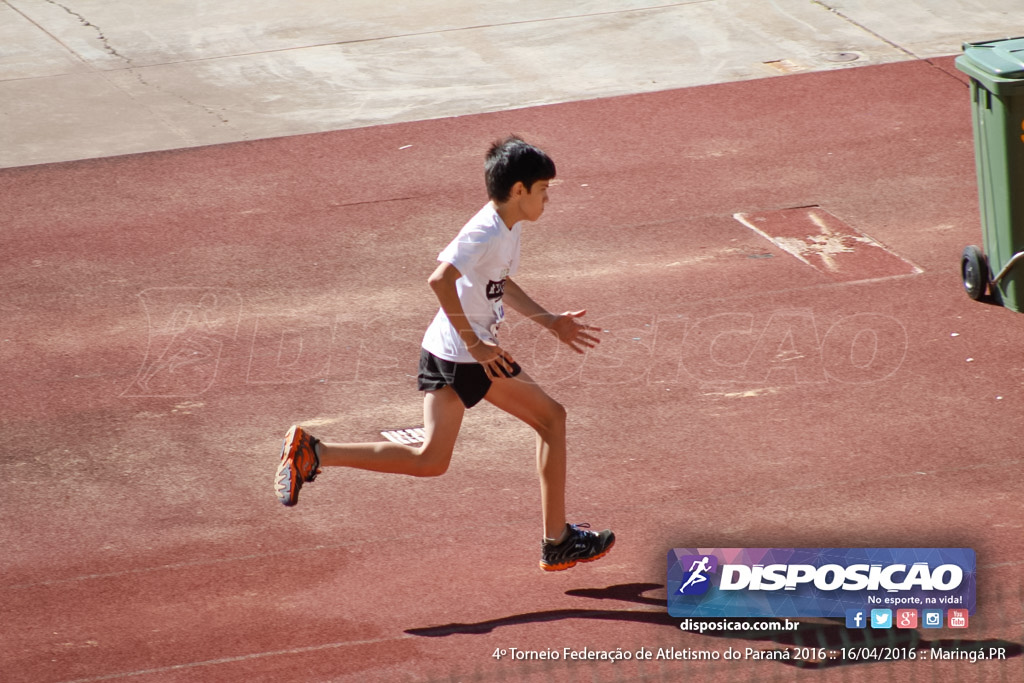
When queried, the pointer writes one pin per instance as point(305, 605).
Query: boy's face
point(532, 201)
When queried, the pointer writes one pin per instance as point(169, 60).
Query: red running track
point(166, 316)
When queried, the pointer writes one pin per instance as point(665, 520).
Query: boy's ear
point(518, 190)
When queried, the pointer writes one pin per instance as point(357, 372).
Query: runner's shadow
point(630, 592)
point(832, 636)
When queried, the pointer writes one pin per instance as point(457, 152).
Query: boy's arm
point(495, 360)
point(564, 326)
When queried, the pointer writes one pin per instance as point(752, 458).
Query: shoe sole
point(572, 563)
point(289, 446)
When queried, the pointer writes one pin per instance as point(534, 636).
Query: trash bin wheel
point(974, 270)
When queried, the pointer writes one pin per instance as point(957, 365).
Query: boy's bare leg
point(523, 398)
point(442, 417)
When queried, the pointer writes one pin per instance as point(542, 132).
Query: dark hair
point(512, 160)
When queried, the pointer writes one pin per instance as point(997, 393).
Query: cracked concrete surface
point(99, 32)
point(87, 78)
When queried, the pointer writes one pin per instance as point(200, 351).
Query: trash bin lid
point(1002, 58)
point(998, 65)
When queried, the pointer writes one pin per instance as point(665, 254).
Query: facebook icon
point(855, 618)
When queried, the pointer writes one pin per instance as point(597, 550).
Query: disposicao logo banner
point(817, 582)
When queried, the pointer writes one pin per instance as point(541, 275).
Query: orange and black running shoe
point(299, 464)
point(581, 545)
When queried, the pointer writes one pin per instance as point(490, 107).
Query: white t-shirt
point(485, 252)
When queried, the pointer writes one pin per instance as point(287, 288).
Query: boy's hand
point(496, 361)
point(573, 333)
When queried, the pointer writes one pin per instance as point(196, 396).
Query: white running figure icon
point(697, 576)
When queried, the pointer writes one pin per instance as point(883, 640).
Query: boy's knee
point(432, 462)
point(432, 469)
point(553, 420)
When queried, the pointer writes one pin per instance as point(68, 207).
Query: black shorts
point(469, 380)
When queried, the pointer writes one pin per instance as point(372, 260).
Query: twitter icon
point(881, 618)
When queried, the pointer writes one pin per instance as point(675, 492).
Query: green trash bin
point(996, 69)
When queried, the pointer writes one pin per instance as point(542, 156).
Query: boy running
point(461, 362)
